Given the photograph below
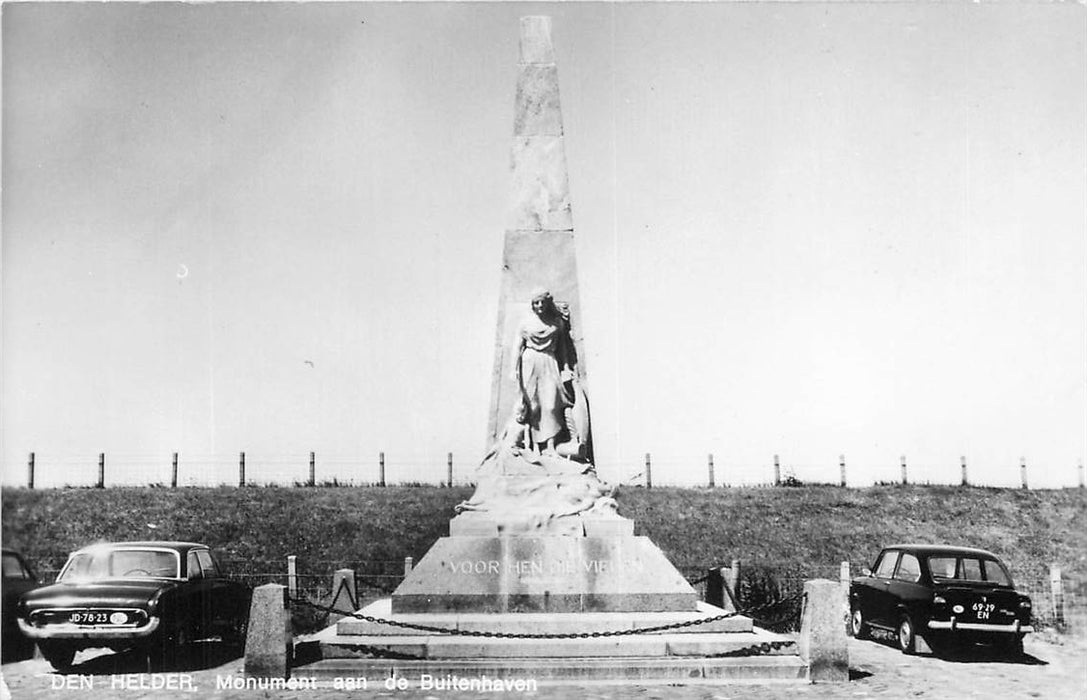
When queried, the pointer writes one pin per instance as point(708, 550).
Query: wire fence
point(47, 470)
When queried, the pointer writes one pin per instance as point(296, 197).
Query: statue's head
point(542, 303)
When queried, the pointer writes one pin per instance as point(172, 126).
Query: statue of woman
point(544, 362)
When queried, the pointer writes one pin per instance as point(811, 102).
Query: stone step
point(537, 623)
point(551, 672)
point(705, 644)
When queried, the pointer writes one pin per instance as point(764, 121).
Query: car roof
point(929, 549)
point(181, 547)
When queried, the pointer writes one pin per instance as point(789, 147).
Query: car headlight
point(939, 600)
point(1025, 603)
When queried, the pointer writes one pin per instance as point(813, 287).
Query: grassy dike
point(806, 531)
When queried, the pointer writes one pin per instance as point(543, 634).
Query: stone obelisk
point(539, 243)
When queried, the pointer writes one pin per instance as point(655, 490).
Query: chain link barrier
point(749, 612)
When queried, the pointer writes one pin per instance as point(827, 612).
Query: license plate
point(90, 618)
point(984, 611)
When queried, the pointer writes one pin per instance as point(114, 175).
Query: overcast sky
point(803, 229)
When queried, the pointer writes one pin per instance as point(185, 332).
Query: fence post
point(1023, 470)
point(1081, 474)
point(1056, 590)
point(648, 471)
point(841, 463)
point(241, 469)
point(732, 580)
point(312, 468)
point(409, 564)
point(101, 470)
point(844, 579)
point(710, 466)
point(30, 471)
point(292, 576)
point(777, 471)
point(449, 468)
point(173, 472)
point(380, 468)
point(904, 479)
point(965, 481)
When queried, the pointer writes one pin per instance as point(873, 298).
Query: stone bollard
point(268, 644)
point(344, 593)
point(823, 642)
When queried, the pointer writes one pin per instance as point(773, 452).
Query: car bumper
point(70, 631)
point(1014, 628)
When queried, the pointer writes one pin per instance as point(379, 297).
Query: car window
point(13, 567)
point(995, 573)
point(971, 569)
point(121, 563)
point(886, 565)
point(943, 567)
point(192, 566)
point(909, 569)
point(207, 563)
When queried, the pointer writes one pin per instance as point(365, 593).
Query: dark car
point(158, 596)
point(18, 579)
point(942, 594)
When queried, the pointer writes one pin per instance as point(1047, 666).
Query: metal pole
point(101, 470)
point(312, 468)
point(777, 471)
point(30, 472)
point(841, 463)
point(173, 472)
point(710, 466)
point(381, 468)
point(241, 469)
point(1023, 470)
point(449, 468)
point(965, 481)
point(904, 479)
point(648, 472)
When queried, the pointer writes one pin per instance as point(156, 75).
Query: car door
point(219, 610)
point(882, 604)
point(906, 591)
point(197, 598)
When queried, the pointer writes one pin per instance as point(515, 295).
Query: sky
point(805, 230)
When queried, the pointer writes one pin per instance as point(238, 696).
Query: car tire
point(858, 626)
point(907, 635)
point(1013, 647)
point(59, 654)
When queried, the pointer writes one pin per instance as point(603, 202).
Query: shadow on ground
point(198, 656)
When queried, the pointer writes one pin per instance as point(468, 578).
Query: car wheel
point(58, 654)
point(858, 626)
point(907, 635)
point(1014, 647)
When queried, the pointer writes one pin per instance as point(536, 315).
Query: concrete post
point(777, 471)
point(312, 468)
point(409, 564)
point(904, 479)
point(101, 470)
point(965, 481)
point(841, 463)
point(710, 467)
point(1023, 471)
point(292, 575)
point(648, 471)
point(823, 643)
point(1056, 590)
point(345, 593)
point(268, 642)
point(844, 579)
point(449, 469)
point(30, 471)
point(173, 472)
point(241, 469)
point(381, 468)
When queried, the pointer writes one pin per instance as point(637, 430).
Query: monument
point(540, 546)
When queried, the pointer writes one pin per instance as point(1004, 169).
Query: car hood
point(111, 592)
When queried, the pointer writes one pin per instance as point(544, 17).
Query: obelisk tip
point(536, 40)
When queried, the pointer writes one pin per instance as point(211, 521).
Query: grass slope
point(806, 530)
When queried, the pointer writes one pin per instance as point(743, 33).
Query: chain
point(750, 612)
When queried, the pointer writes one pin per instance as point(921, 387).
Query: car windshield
point(121, 563)
point(968, 569)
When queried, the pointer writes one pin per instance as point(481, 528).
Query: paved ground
point(1053, 667)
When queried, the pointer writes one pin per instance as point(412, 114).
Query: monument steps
point(546, 672)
